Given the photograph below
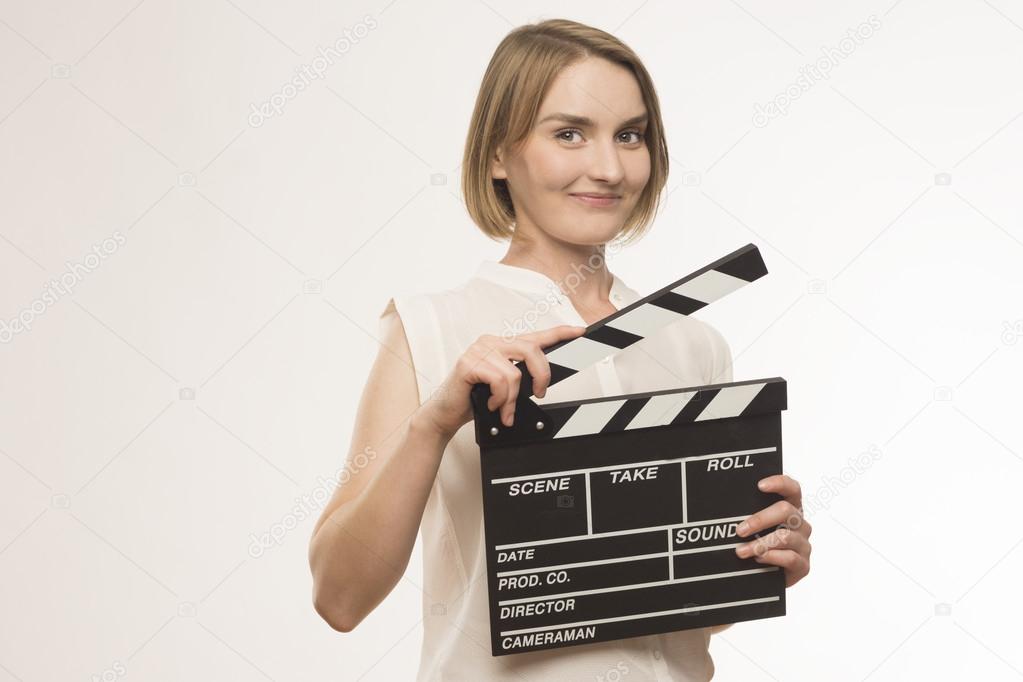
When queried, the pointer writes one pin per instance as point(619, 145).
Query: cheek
point(637, 170)
point(553, 169)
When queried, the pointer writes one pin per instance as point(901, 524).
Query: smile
point(596, 200)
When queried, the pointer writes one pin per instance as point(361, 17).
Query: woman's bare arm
point(361, 544)
point(362, 541)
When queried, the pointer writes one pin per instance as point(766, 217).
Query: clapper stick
point(651, 314)
point(610, 335)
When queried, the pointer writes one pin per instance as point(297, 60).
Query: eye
point(637, 133)
point(573, 131)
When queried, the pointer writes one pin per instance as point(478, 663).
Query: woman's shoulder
point(405, 302)
point(473, 293)
point(445, 313)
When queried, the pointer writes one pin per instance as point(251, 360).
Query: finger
point(529, 348)
point(480, 367)
point(512, 377)
point(796, 566)
point(548, 337)
point(492, 376)
point(537, 364)
point(783, 538)
point(781, 512)
point(783, 485)
point(800, 525)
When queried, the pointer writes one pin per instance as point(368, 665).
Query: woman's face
point(588, 139)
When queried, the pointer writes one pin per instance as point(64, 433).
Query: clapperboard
point(615, 517)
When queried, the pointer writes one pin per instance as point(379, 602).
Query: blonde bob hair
point(520, 72)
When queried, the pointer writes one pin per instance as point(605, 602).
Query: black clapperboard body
point(615, 516)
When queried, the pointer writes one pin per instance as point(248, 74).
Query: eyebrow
point(583, 121)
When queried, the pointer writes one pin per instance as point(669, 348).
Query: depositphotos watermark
point(618, 672)
point(55, 288)
point(832, 486)
point(1012, 332)
point(527, 321)
point(115, 671)
point(815, 71)
point(820, 499)
point(309, 504)
point(307, 73)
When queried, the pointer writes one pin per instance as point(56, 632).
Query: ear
point(497, 170)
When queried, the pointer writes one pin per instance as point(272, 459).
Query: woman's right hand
point(489, 361)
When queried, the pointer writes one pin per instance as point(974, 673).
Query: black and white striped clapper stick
point(618, 331)
point(649, 315)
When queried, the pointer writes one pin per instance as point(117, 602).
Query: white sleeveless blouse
point(505, 299)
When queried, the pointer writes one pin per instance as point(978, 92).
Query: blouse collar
point(534, 282)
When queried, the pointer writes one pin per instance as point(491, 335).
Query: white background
point(203, 376)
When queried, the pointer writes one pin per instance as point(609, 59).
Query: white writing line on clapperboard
point(671, 560)
point(638, 586)
point(618, 560)
point(633, 465)
point(637, 616)
point(589, 507)
point(685, 509)
point(615, 533)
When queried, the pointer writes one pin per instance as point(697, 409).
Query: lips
point(596, 199)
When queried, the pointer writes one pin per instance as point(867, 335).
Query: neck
point(580, 270)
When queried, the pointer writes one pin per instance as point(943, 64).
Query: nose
point(605, 163)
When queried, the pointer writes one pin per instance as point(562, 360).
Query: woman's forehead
point(594, 89)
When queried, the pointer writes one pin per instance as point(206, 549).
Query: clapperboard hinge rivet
point(539, 426)
point(493, 430)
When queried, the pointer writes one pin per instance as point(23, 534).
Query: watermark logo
point(309, 504)
point(832, 486)
point(326, 57)
point(614, 674)
point(527, 322)
point(1012, 332)
point(114, 672)
point(74, 273)
point(814, 72)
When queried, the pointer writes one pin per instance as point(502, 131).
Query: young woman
point(565, 155)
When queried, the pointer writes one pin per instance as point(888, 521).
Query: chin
point(578, 234)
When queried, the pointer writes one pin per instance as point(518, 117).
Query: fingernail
point(743, 550)
point(762, 485)
point(742, 528)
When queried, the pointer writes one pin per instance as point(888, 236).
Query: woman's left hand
point(788, 547)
